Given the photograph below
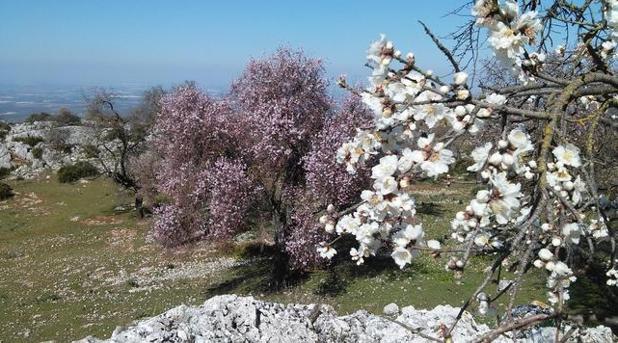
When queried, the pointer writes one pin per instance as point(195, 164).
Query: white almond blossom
point(417, 117)
point(505, 198)
point(480, 156)
point(568, 155)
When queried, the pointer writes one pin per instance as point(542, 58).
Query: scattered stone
point(503, 284)
point(391, 310)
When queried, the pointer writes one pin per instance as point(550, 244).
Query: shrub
point(90, 150)
point(57, 140)
point(5, 128)
point(5, 191)
point(34, 117)
point(37, 153)
point(72, 173)
point(4, 172)
point(29, 140)
point(66, 117)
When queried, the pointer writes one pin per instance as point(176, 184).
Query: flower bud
point(329, 227)
point(483, 113)
point(545, 254)
point(324, 219)
point(445, 89)
point(460, 78)
point(460, 111)
point(463, 94)
point(508, 159)
point(460, 216)
point(482, 196)
point(495, 159)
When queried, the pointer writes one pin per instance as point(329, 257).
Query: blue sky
point(161, 42)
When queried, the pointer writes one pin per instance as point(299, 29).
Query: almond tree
point(263, 149)
point(540, 203)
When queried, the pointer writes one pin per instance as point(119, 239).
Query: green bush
point(66, 117)
point(90, 150)
point(43, 116)
point(5, 191)
point(5, 128)
point(29, 140)
point(72, 173)
point(37, 153)
point(4, 172)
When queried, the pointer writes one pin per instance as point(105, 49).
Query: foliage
point(74, 172)
point(34, 117)
point(231, 194)
point(57, 139)
point(90, 150)
point(122, 136)
point(66, 118)
point(260, 149)
point(5, 128)
point(4, 172)
point(5, 191)
point(37, 153)
point(283, 100)
point(29, 140)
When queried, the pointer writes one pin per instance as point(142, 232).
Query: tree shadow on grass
point(255, 275)
point(430, 208)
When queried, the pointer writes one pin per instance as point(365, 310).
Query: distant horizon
point(159, 42)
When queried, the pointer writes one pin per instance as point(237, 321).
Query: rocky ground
point(230, 318)
point(19, 156)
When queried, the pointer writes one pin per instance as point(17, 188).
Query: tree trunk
point(139, 205)
point(280, 261)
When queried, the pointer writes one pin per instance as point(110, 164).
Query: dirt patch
point(30, 202)
point(101, 221)
point(122, 238)
point(153, 277)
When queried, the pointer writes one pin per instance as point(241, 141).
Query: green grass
point(424, 284)
point(59, 243)
point(71, 266)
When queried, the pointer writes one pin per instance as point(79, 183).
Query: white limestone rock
point(230, 318)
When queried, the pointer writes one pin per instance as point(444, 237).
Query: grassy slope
point(71, 267)
point(58, 271)
point(379, 282)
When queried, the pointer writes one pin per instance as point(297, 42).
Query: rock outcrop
point(230, 318)
point(18, 155)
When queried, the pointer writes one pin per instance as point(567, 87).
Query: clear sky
point(162, 42)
